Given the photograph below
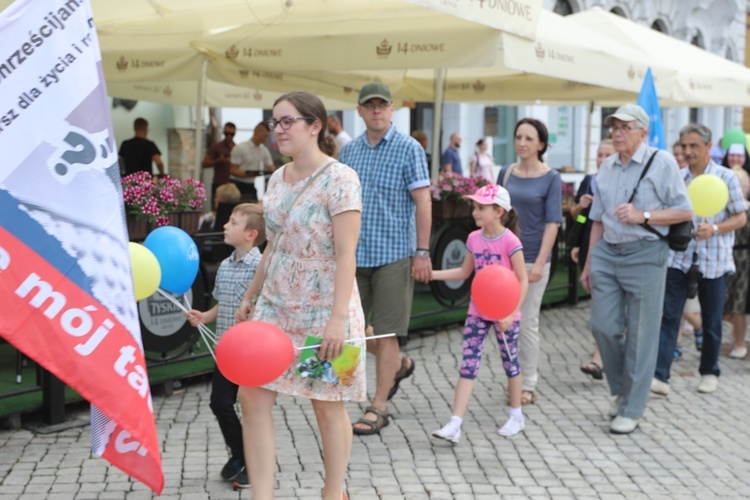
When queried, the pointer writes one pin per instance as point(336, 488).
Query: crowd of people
point(348, 225)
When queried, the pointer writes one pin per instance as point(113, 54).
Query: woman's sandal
point(404, 372)
point(593, 369)
point(380, 421)
point(528, 400)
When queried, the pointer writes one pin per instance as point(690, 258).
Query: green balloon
point(733, 136)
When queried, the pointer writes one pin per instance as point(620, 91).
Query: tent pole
point(437, 123)
point(200, 100)
point(587, 164)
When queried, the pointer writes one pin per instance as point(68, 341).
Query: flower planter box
point(187, 221)
point(139, 229)
point(166, 200)
point(447, 209)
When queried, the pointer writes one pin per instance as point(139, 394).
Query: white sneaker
point(623, 425)
point(659, 387)
point(512, 427)
point(708, 384)
point(449, 433)
point(614, 407)
point(738, 352)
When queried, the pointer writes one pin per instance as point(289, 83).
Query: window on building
point(499, 123)
point(605, 113)
point(562, 7)
point(422, 118)
point(660, 26)
point(618, 11)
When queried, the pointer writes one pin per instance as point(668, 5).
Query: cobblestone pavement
point(688, 445)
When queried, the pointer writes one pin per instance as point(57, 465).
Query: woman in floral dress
point(306, 286)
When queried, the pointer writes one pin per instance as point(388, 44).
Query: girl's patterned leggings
point(475, 335)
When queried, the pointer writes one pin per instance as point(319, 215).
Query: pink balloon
point(495, 291)
point(254, 353)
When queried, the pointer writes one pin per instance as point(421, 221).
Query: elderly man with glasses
point(627, 265)
point(393, 247)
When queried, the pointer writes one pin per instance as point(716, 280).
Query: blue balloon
point(177, 255)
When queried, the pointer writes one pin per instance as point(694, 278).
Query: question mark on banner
point(85, 155)
point(79, 153)
point(124, 446)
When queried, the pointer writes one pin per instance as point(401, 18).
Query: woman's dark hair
point(541, 130)
point(480, 142)
point(312, 109)
point(510, 220)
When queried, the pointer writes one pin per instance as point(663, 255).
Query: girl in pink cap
point(495, 243)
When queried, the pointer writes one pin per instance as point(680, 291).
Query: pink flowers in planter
point(151, 198)
point(452, 187)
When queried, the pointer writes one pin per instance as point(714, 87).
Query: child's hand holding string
point(504, 324)
point(195, 317)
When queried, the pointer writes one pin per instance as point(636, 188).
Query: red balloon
point(254, 353)
point(495, 291)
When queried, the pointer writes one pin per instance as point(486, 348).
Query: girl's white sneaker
point(512, 427)
point(449, 433)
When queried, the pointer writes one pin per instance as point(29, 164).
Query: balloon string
point(348, 341)
point(206, 331)
point(208, 341)
point(505, 341)
point(507, 349)
point(208, 336)
point(174, 301)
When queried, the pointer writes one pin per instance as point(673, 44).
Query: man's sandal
point(529, 399)
point(381, 420)
point(404, 372)
point(593, 369)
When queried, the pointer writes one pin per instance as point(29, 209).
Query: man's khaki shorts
point(386, 292)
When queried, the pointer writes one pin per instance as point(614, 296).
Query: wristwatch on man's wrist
point(715, 227)
point(423, 253)
point(646, 216)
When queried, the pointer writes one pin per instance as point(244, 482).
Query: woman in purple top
point(537, 197)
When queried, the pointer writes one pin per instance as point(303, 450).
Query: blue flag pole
point(648, 100)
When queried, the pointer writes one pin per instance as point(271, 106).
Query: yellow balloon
point(146, 270)
point(709, 195)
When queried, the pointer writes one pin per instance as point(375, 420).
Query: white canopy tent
point(696, 77)
point(564, 64)
point(193, 44)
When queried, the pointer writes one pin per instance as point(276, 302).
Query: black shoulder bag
point(679, 235)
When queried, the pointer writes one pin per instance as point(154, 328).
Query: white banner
point(65, 279)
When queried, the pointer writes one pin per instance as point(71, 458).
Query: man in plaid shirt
point(393, 248)
point(711, 250)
